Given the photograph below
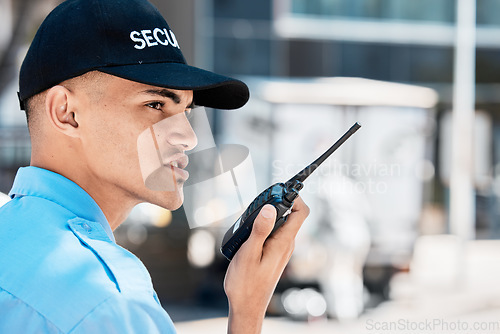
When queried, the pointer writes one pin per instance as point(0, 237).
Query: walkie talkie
point(279, 195)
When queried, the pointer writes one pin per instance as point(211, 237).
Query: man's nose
point(181, 133)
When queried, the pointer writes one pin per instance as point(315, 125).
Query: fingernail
point(267, 211)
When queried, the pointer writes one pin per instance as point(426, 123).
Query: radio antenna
point(302, 175)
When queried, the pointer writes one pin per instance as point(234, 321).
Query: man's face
point(129, 127)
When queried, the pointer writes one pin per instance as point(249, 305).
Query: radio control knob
point(291, 195)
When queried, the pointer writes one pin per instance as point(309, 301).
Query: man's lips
point(178, 162)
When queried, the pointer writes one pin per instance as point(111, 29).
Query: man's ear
point(60, 108)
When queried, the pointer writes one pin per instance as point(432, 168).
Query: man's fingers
point(282, 242)
point(262, 227)
point(283, 238)
point(291, 227)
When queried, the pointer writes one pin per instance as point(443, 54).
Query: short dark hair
point(34, 102)
point(29, 108)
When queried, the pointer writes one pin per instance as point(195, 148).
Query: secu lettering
point(153, 38)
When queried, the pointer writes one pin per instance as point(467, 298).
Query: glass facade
point(262, 51)
point(396, 62)
point(488, 12)
point(409, 41)
point(442, 11)
point(400, 63)
point(15, 151)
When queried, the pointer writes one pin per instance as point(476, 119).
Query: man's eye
point(155, 105)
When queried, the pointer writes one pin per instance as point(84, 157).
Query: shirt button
point(86, 227)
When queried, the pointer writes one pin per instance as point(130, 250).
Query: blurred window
point(410, 10)
point(248, 56)
point(442, 11)
point(487, 12)
point(15, 147)
point(397, 62)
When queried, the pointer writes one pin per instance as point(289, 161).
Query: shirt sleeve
point(18, 317)
point(122, 316)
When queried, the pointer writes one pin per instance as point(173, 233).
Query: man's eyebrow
point(163, 93)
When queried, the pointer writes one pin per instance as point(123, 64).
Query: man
point(97, 75)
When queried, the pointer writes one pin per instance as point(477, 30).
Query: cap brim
point(209, 89)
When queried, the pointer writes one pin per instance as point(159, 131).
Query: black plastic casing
point(241, 229)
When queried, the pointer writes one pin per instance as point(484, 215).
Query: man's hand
point(257, 266)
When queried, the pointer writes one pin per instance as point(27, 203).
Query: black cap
point(126, 38)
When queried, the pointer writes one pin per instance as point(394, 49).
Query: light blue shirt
point(60, 268)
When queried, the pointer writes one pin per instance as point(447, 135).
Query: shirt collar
point(34, 181)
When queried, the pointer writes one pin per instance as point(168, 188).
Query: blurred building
point(403, 41)
point(391, 40)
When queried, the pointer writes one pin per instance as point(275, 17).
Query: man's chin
point(170, 200)
point(177, 204)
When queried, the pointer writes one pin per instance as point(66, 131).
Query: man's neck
point(115, 205)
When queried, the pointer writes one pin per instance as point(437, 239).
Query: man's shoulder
point(45, 264)
point(24, 210)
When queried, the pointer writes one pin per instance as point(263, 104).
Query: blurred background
point(405, 217)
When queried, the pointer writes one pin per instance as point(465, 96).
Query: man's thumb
point(264, 223)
